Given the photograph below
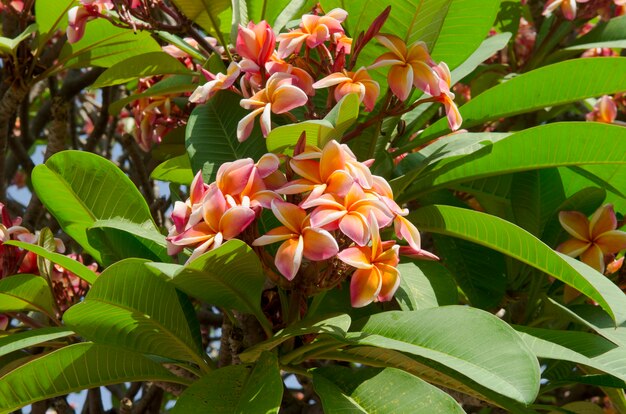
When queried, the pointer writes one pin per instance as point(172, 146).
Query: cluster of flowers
point(279, 80)
point(568, 8)
point(68, 288)
point(330, 207)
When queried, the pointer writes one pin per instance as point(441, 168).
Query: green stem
point(296, 353)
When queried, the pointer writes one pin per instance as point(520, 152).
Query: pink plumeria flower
point(215, 83)
point(79, 15)
point(593, 240)
point(447, 98)
point(350, 214)
point(299, 239)
point(604, 111)
point(343, 42)
point(568, 7)
point(376, 277)
point(359, 82)
point(220, 222)
point(279, 96)
point(410, 66)
point(256, 42)
point(314, 30)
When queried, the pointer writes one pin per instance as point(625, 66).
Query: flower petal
point(235, 220)
point(245, 125)
point(288, 97)
point(407, 231)
point(319, 244)
point(358, 257)
point(390, 282)
point(573, 247)
point(365, 286)
point(594, 257)
point(576, 224)
point(330, 80)
point(275, 235)
point(613, 241)
point(602, 220)
point(289, 257)
point(400, 78)
point(354, 226)
point(290, 215)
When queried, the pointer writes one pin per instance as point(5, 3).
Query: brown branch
point(8, 106)
point(94, 399)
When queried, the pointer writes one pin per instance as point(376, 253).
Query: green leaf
point(130, 307)
point(343, 115)
point(545, 146)
point(25, 292)
point(62, 260)
point(369, 390)
point(230, 276)
point(457, 40)
point(105, 45)
point(236, 389)
point(119, 239)
point(181, 44)
point(45, 241)
point(74, 368)
point(175, 170)
point(425, 284)
point(283, 139)
point(472, 343)
point(552, 85)
point(579, 347)
point(336, 325)
point(140, 66)
point(579, 407)
point(77, 189)
point(288, 13)
point(26, 339)
point(211, 135)
point(507, 238)
point(9, 46)
point(611, 34)
point(52, 14)
point(480, 272)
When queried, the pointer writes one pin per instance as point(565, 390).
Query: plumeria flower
point(280, 95)
point(376, 277)
point(593, 240)
point(215, 83)
point(447, 98)
point(350, 214)
point(299, 239)
point(331, 170)
point(314, 30)
point(568, 7)
point(605, 111)
point(256, 43)
point(359, 82)
point(220, 222)
point(79, 15)
point(343, 42)
point(410, 66)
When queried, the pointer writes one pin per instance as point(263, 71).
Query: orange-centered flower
point(605, 111)
point(359, 82)
point(410, 66)
point(568, 7)
point(279, 96)
point(215, 83)
point(376, 276)
point(299, 239)
point(595, 239)
point(314, 30)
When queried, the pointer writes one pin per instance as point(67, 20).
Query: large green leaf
point(211, 135)
point(507, 238)
point(132, 308)
point(25, 292)
point(333, 325)
point(62, 260)
point(545, 146)
point(105, 45)
point(610, 34)
point(425, 284)
point(457, 39)
point(369, 390)
point(79, 188)
point(473, 343)
point(579, 347)
point(557, 84)
point(140, 66)
point(74, 368)
point(26, 339)
point(230, 276)
point(236, 389)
